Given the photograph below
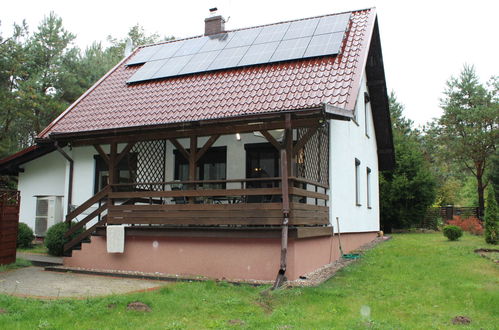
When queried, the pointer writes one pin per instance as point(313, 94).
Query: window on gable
point(368, 187)
point(367, 99)
point(357, 182)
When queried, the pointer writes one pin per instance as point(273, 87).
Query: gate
point(9, 223)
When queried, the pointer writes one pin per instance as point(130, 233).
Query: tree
point(491, 218)
point(408, 191)
point(468, 129)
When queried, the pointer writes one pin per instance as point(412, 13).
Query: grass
point(20, 263)
point(37, 248)
point(414, 281)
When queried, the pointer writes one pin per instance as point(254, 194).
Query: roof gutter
point(71, 170)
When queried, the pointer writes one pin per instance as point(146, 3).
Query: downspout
point(70, 183)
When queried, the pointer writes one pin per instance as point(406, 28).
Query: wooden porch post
point(192, 163)
point(112, 178)
point(286, 168)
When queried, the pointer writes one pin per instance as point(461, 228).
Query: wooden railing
point(196, 205)
point(257, 201)
point(101, 198)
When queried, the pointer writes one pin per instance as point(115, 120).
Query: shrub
point(55, 240)
point(471, 224)
point(25, 236)
point(491, 218)
point(453, 232)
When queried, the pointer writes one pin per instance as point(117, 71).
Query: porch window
point(127, 171)
point(357, 182)
point(212, 166)
point(262, 160)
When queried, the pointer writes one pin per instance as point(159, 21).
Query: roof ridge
point(254, 27)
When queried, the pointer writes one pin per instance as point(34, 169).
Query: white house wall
point(45, 176)
point(348, 142)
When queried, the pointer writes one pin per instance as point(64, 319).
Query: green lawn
point(414, 281)
point(18, 264)
point(37, 248)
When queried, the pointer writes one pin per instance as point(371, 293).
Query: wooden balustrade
point(196, 205)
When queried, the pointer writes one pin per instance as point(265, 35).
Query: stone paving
point(36, 282)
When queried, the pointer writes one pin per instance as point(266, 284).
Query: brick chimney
point(214, 24)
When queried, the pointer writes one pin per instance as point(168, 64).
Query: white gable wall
point(45, 175)
point(348, 142)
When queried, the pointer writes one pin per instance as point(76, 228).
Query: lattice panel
point(313, 159)
point(150, 163)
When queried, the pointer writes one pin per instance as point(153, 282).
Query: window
point(367, 99)
point(262, 160)
point(368, 188)
point(212, 166)
point(127, 170)
point(357, 182)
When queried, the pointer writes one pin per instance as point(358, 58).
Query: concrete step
point(41, 260)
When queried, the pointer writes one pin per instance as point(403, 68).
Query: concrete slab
point(41, 260)
point(36, 282)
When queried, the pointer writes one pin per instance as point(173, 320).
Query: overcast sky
point(423, 42)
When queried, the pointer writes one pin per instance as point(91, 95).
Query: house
point(228, 155)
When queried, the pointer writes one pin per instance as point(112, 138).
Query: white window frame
point(368, 187)
point(357, 182)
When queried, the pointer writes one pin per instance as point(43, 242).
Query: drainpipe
point(71, 166)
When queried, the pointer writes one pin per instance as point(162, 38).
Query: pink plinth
point(232, 259)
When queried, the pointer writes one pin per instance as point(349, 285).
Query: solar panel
point(244, 37)
point(300, 29)
point(273, 43)
point(324, 44)
point(330, 24)
point(146, 71)
point(143, 55)
point(272, 33)
point(172, 67)
point(167, 50)
point(191, 46)
point(258, 54)
point(291, 49)
point(199, 62)
point(228, 58)
point(216, 42)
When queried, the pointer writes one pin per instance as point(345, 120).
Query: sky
point(424, 42)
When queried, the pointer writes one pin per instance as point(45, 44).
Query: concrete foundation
point(218, 258)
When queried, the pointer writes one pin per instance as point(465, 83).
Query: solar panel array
point(273, 43)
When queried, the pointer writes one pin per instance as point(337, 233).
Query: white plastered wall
point(44, 176)
point(349, 142)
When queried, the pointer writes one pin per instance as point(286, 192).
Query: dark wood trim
point(101, 152)
point(83, 235)
point(197, 193)
point(94, 199)
point(180, 148)
point(188, 132)
point(125, 152)
point(85, 220)
point(271, 139)
point(300, 144)
point(206, 146)
point(223, 232)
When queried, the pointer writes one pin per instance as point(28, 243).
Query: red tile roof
point(262, 89)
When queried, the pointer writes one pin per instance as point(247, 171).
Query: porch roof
point(296, 85)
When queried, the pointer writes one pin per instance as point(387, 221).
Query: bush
point(491, 219)
point(453, 232)
point(55, 240)
point(470, 224)
point(25, 236)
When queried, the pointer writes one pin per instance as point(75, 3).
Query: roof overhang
point(10, 165)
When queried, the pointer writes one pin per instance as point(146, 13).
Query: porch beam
point(180, 148)
point(301, 143)
point(125, 152)
point(206, 146)
point(271, 139)
point(183, 133)
point(288, 125)
point(101, 152)
point(192, 164)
